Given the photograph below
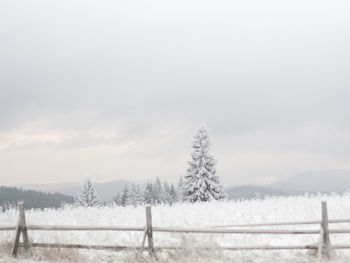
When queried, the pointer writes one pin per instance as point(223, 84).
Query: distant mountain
point(253, 191)
point(315, 181)
point(32, 199)
point(106, 191)
point(67, 189)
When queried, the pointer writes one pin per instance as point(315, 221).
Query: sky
point(116, 89)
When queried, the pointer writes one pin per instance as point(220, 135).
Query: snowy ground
point(275, 209)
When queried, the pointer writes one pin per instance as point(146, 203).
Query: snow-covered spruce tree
point(166, 197)
point(125, 195)
point(158, 192)
point(173, 195)
point(180, 190)
point(88, 196)
point(134, 196)
point(169, 194)
point(201, 182)
point(117, 199)
point(148, 194)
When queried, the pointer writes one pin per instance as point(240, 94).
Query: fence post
point(145, 234)
point(16, 242)
point(23, 225)
point(149, 229)
point(325, 249)
point(21, 228)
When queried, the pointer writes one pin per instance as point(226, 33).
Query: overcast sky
point(115, 89)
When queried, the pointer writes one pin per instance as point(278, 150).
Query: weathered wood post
point(24, 226)
point(16, 243)
point(149, 229)
point(325, 249)
point(21, 228)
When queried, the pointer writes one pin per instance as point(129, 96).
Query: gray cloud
point(251, 70)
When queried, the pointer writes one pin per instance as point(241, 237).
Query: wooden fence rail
point(84, 228)
point(336, 221)
point(324, 248)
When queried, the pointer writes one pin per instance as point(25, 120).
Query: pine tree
point(180, 190)
point(201, 182)
point(173, 195)
point(117, 199)
point(148, 194)
point(166, 197)
point(157, 192)
point(125, 195)
point(88, 196)
point(134, 196)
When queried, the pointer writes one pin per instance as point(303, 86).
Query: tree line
point(153, 193)
point(200, 183)
point(10, 196)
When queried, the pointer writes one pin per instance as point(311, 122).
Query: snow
point(273, 209)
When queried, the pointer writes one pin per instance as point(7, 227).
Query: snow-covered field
point(274, 209)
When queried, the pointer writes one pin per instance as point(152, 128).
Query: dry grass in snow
point(274, 209)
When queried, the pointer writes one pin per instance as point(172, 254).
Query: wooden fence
point(323, 249)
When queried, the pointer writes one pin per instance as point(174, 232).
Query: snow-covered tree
point(169, 195)
point(125, 195)
point(117, 199)
point(148, 195)
point(166, 197)
point(173, 195)
point(180, 190)
point(157, 192)
point(201, 182)
point(134, 196)
point(88, 196)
